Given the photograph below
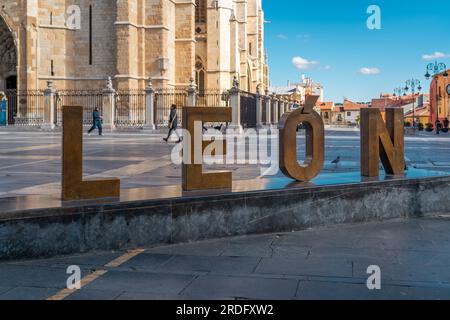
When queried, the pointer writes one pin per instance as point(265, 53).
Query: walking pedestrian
point(96, 122)
point(446, 123)
point(173, 123)
point(3, 109)
point(438, 126)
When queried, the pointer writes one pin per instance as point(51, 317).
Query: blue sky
point(334, 39)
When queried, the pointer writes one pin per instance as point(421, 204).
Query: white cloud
point(282, 37)
point(369, 71)
point(436, 55)
point(304, 64)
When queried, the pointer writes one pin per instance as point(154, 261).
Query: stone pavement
point(30, 160)
point(323, 263)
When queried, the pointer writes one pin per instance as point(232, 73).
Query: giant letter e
point(193, 177)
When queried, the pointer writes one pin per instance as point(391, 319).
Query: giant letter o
point(315, 146)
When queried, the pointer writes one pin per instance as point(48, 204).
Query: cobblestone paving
point(323, 263)
point(30, 161)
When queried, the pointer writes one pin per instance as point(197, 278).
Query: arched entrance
point(200, 75)
point(8, 69)
point(8, 58)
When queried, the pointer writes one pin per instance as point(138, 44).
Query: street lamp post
point(436, 68)
point(412, 85)
point(398, 92)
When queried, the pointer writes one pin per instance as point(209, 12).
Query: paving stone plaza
point(319, 263)
point(30, 162)
point(325, 263)
point(224, 158)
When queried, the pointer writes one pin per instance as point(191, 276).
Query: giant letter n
point(382, 141)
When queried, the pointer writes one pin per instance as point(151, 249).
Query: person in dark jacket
point(438, 126)
point(97, 122)
point(3, 109)
point(173, 123)
point(446, 123)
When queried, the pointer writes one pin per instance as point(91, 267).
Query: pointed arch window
point(200, 11)
point(200, 76)
point(249, 79)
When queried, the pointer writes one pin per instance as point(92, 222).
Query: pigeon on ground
point(336, 161)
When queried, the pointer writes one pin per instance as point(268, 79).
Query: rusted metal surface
point(193, 177)
point(315, 144)
point(73, 186)
point(382, 141)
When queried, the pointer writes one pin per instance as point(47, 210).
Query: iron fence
point(88, 99)
point(163, 100)
point(213, 98)
point(11, 96)
point(130, 108)
point(25, 107)
point(248, 109)
point(28, 107)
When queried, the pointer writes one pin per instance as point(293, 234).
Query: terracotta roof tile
point(325, 105)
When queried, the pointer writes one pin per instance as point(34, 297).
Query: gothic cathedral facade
point(79, 43)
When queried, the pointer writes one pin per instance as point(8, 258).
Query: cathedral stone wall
point(131, 41)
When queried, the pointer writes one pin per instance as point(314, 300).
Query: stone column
point(150, 106)
point(280, 107)
point(276, 116)
point(219, 31)
point(30, 50)
point(49, 107)
point(235, 102)
point(127, 52)
point(268, 110)
point(192, 94)
point(235, 36)
point(109, 105)
point(259, 108)
point(183, 21)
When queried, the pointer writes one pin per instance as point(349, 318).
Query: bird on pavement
point(336, 161)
